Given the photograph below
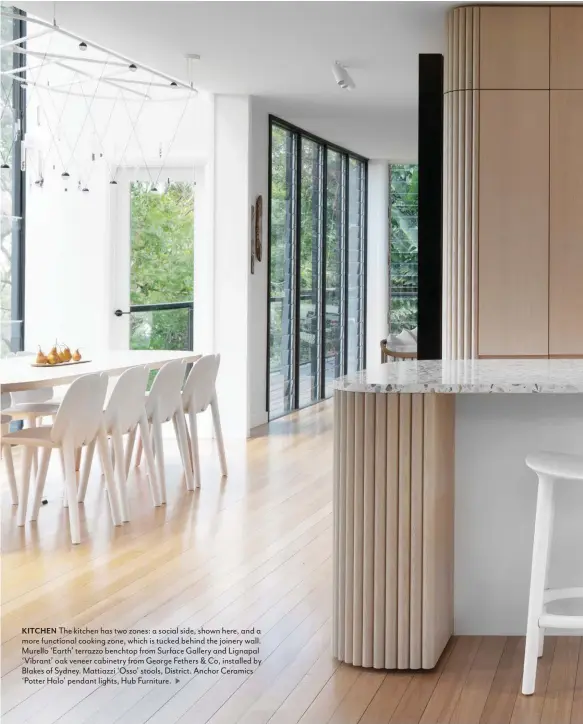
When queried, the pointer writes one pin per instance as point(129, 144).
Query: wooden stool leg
point(542, 530)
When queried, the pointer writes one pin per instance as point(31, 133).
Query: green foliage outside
point(403, 249)
point(162, 263)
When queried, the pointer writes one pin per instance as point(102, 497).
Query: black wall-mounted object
point(430, 207)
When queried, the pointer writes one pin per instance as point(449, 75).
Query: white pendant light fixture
point(341, 76)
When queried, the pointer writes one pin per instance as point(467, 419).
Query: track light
point(341, 76)
point(82, 45)
point(133, 67)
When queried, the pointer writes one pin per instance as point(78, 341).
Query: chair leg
point(130, 449)
point(86, 471)
point(219, 435)
point(150, 462)
point(23, 497)
point(33, 423)
point(542, 529)
point(541, 635)
point(194, 447)
point(78, 453)
point(120, 474)
point(7, 450)
point(182, 437)
point(107, 468)
point(71, 491)
point(40, 482)
point(159, 446)
point(139, 452)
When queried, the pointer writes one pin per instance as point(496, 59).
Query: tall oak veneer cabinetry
point(513, 200)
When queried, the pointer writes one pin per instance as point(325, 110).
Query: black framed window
point(12, 128)
point(403, 205)
point(317, 254)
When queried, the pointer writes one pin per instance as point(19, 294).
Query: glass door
point(156, 260)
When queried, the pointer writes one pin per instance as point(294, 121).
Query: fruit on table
point(76, 355)
point(53, 358)
point(41, 358)
point(65, 354)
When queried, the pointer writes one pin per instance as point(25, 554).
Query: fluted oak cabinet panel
point(566, 59)
point(514, 47)
point(461, 129)
point(566, 224)
point(393, 528)
point(513, 223)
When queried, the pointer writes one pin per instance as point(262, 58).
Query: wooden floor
point(252, 550)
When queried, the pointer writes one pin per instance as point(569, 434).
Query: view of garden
point(403, 246)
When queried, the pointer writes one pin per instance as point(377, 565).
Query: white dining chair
point(78, 423)
point(5, 420)
point(198, 393)
point(31, 406)
point(164, 403)
point(125, 412)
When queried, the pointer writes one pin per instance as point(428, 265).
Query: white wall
point(67, 265)
point(258, 282)
point(231, 258)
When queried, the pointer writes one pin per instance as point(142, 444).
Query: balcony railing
point(166, 325)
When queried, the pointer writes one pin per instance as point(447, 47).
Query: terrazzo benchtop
point(477, 376)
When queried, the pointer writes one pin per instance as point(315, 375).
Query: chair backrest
point(165, 392)
point(81, 412)
point(43, 394)
point(199, 389)
point(127, 400)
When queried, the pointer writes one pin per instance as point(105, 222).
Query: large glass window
point(282, 262)
point(12, 177)
point(316, 267)
point(403, 199)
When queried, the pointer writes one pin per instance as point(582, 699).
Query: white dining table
point(17, 373)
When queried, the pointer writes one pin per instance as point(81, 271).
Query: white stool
point(550, 468)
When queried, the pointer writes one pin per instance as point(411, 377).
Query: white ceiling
point(284, 51)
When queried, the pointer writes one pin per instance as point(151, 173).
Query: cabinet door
point(567, 47)
point(514, 47)
point(566, 224)
point(513, 227)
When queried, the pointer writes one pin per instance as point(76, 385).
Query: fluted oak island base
point(393, 528)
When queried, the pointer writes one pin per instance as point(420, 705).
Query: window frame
point(324, 146)
point(18, 173)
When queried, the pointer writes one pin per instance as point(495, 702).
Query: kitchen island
point(434, 506)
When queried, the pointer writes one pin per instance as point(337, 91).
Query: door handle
point(118, 313)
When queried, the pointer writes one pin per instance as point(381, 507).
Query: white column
point(377, 295)
point(231, 258)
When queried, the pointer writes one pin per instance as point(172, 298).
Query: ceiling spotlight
point(341, 76)
point(5, 165)
point(174, 84)
point(65, 175)
point(113, 182)
point(133, 67)
point(82, 45)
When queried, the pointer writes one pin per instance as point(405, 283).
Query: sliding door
point(317, 244)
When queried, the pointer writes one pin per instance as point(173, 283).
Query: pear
point(76, 356)
point(65, 354)
point(52, 358)
point(41, 358)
